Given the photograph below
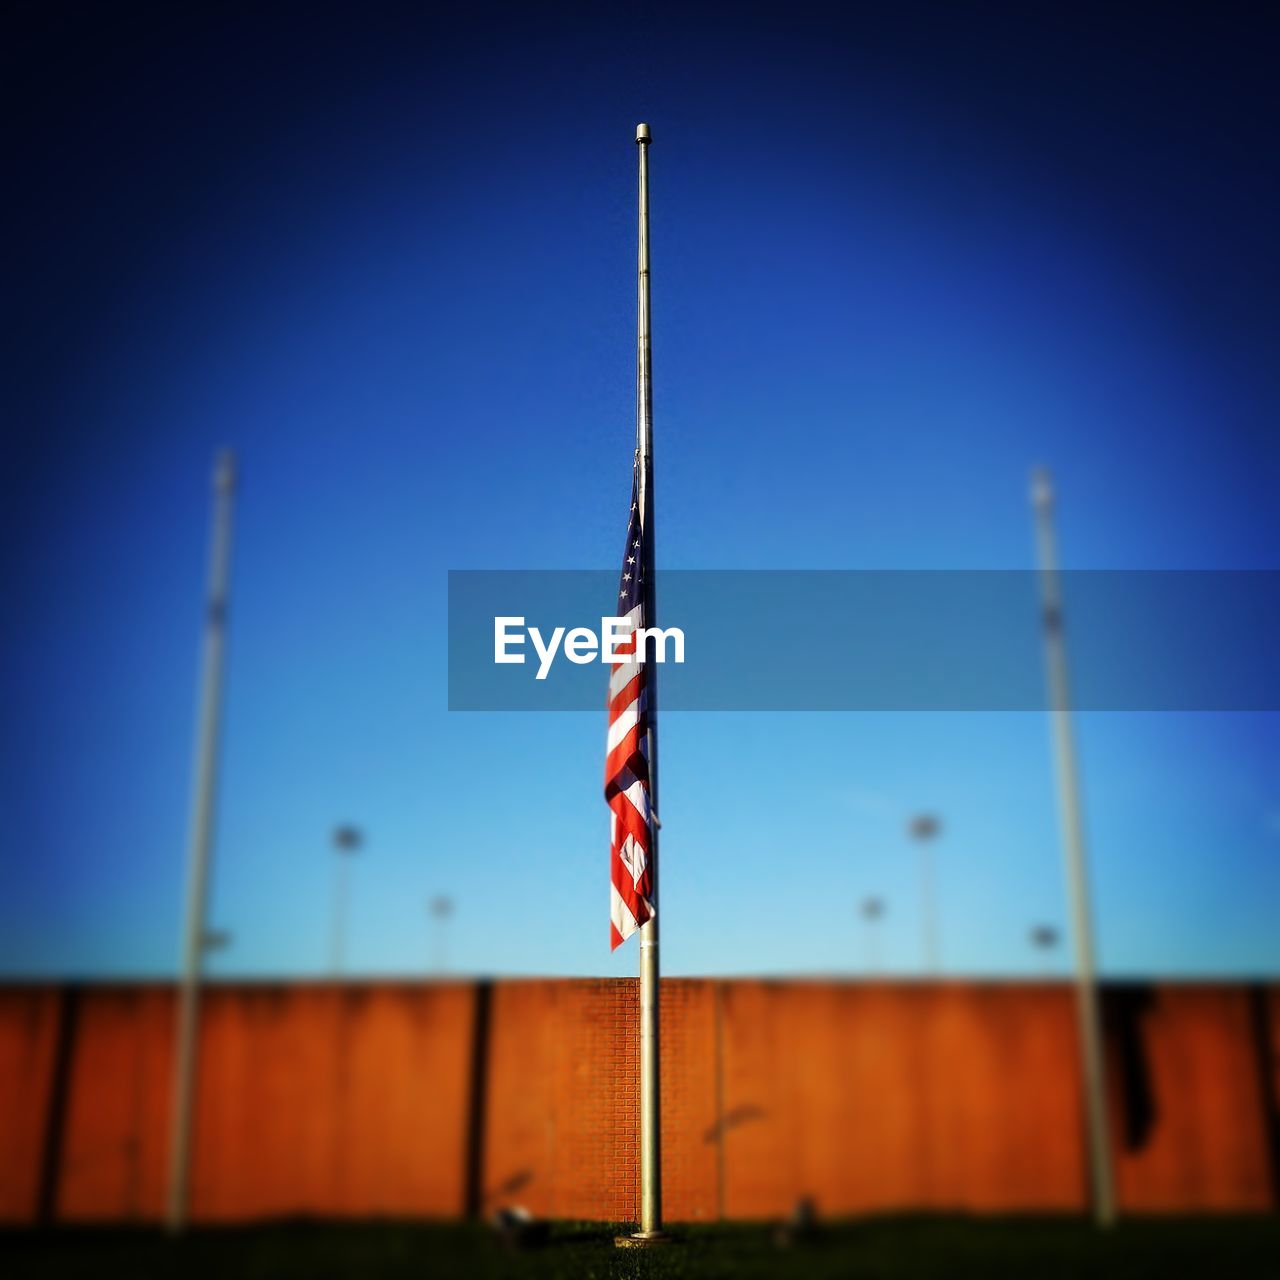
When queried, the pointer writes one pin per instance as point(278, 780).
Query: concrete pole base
point(642, 1240)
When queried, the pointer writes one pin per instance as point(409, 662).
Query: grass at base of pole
point(889, 1248)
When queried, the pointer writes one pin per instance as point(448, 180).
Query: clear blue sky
point(389, 257)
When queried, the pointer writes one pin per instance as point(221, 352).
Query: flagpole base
point(642, 1240)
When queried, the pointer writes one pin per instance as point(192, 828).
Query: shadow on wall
point(1123, 1011)
point(731, 1120)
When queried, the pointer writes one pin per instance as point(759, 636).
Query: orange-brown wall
point(440, 1099)
point(28, 1031)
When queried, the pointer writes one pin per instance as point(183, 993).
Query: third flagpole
point(196, 938)
point(1073, 843)
point(650, 1124)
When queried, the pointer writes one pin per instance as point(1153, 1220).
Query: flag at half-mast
point(626, 769)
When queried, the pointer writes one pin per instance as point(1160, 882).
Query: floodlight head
point(924, 826)
point(347, 838)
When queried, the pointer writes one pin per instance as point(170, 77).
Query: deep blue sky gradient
point(387, 253)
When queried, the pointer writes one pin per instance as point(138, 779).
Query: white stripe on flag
point(623, 920)
point(623, 725)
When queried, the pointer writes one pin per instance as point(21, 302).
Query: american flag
point(626, 768)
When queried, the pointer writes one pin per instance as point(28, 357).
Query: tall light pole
point(204, 794)
point(872, 910)
point(1073, 846)
point(923, 829)
point(347, 840)
point(440, 909)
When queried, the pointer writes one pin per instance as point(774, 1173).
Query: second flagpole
point(650, 1123)
point(1092, 1068)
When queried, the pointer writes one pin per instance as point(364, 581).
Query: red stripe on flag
point(626, 696)
point(630, 820)
point(626, 755)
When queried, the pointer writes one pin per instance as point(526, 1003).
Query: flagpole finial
point(224, 472)
point(643, 137)
point(1041, 489)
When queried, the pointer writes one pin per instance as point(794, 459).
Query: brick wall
point(440, 1099)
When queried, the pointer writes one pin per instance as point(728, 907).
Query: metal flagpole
point(206, 777)
point(1073, 845)
point(650, 1127)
